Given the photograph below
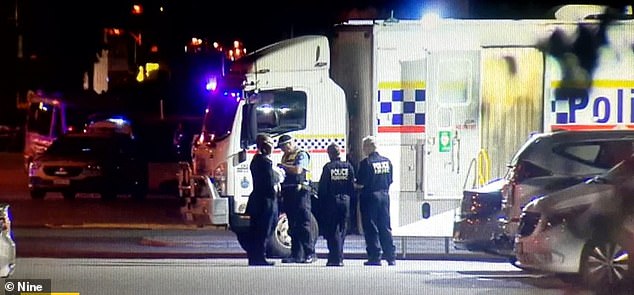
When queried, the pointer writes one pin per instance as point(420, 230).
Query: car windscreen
point(219, 115)
point(81, 146)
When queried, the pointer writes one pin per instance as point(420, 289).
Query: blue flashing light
point(119, 121)
point(211, 84)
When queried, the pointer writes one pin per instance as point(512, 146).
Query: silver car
point(586, 230)
point(546, 163)
point(7, 245)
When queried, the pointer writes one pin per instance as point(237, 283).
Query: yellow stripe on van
point(318, 136)
point(595, 83)
point(386, 85)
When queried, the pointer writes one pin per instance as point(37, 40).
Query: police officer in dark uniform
point(374, 178)
point(296, 201)
point(336, 186)
point(262, 206)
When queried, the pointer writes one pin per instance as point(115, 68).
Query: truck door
point(452, 121)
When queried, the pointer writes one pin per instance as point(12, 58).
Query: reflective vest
point(292, 159)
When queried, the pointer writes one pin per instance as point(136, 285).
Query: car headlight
point(33, 167)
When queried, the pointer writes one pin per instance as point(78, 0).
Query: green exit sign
point(444, 141)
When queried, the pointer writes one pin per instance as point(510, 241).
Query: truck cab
point(285, 88)
point(45, 121)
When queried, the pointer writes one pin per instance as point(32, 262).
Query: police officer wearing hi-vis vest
point(296, 201)
point(374, 178)
point(336, 186)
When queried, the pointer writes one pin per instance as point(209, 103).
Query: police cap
point(283, 140)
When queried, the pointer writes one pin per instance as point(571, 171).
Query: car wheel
point(605, 264)
point(37, 195)
point(68, 195)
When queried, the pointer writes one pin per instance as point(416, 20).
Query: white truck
point(449, 100)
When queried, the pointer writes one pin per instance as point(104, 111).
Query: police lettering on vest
point(339, 174)
point(381, 167)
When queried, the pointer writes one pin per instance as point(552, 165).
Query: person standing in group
point(296, 201)
point(262, 206)
point(336, 186)
point(374, 179)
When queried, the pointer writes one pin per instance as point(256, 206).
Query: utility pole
point(19, 53)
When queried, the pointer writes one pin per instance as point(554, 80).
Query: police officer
point(374, 178)
point(336, 186)
point(296, 201)
point(262, 205)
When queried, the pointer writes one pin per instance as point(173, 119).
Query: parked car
point(109, 123)
point(108, 164)
point(586, 229)
point(7, 245)
point(547, 162)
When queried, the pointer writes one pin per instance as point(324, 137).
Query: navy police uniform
point(375, 174)
point(296, 202)
point(336, 186)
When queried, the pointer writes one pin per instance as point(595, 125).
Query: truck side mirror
point(249, 125)
point(426, 210)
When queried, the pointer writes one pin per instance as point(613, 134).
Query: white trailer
point(450, 101)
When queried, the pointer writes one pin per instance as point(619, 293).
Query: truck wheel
point(279, 244)
point(605, 264)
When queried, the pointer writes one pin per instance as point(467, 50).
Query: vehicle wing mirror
point(249, 125)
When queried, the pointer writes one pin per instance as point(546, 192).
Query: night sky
point(61, 38)
point(257, 23)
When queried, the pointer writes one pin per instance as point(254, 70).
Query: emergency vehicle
point(50, 115)
point(449, 101)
